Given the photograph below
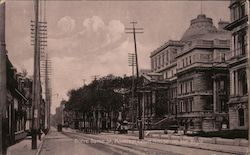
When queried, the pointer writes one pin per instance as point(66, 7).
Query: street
point(73, 143)
point(124, 77)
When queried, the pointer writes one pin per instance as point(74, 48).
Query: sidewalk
point(24, 147)
point(192, 142)
point(239, 150)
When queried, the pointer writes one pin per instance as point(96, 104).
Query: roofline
point(167, 44)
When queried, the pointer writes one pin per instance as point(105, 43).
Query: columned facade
point(237, 59)
point(196, 74)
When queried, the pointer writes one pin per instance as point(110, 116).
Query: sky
point(87, 38)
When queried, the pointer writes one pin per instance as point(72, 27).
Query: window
point(238, 11)
point(163, 58)
point(234, 83)
point(181, 88)
point(181, 106)
point(242, 82)
point(159, 60)
point(155, 63)
point(183, 63)
point(190, 60)
point(167, 57)
point(166, 60)
point(186, 87)
point(223, 57)
point(185, 106)
point(191, 86)
point(222, 85)
point(152, 64)
point(242, 42)
point(191, 105)
point(242, 10)
point(241, 117)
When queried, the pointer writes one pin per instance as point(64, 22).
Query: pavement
point(242, 150)
point(24, 147)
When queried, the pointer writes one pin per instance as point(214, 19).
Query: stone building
point(237, 63)
point(202, 76)
point(192, 74)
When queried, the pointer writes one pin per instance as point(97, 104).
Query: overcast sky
point(87, 38)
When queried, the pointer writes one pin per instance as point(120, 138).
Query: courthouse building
point(192, 74)
point(237, 59)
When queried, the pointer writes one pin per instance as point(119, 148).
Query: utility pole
point(36, 78)
point(45, 66)
point(39, 41)
point(134, 32)
point(132, 63)
point(3, 78)
point(46, 70)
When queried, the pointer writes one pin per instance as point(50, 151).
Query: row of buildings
point(18, 122)
point(203, 75)
point(200, 79)
point(16, 97)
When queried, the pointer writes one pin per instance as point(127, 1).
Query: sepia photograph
point(124, 77)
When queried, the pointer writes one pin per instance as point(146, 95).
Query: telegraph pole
point(46, 70)
point(3, 86)
point(132, 63)
point(134, 32)
point(36, 78)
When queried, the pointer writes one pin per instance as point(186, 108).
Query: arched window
point(241, 116)
point(243, 81)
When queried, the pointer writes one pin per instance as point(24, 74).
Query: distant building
point(191, 77)
point(237, 59)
